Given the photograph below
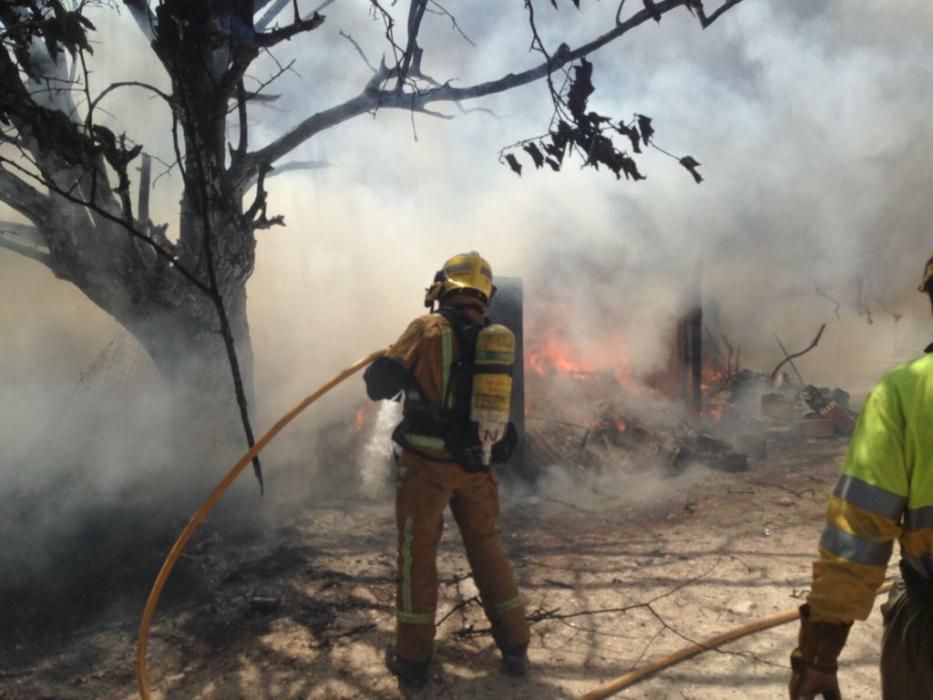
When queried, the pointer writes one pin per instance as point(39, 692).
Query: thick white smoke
point(809, 120)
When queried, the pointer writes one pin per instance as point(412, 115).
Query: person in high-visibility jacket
point(885, 493)
point(431, 365)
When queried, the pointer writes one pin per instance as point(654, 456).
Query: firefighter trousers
point(907, 645)
point(425, 489)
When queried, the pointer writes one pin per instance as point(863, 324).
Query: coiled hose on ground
point(196, 519)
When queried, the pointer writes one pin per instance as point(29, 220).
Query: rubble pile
point(598, 429)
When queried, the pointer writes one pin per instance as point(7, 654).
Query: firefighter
point(885, 493)
point(441, 464)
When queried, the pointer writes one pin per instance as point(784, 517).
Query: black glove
point(814, 661)
point(385, 378)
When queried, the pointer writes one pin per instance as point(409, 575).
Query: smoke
point(808, 119)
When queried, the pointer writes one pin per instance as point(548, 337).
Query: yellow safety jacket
point(885, 493)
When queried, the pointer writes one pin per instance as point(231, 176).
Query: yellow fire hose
point(639, 674)
point(604, 691)
point(196, 519)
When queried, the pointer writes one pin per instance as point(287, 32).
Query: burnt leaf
point(630, 168)
point(644, 126)
point(690, 163)
point(631, 133)
point(532, 150)
point(652, 10)
point(553, 151)
point(562, 136)
point(514, 164)
point(555, 166)
point(581, 87)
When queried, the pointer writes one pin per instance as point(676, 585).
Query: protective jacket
point(885, 493)
point(432, 364)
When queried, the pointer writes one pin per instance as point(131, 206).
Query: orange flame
point(711, 377)
point(360, 421)
point(554, 354)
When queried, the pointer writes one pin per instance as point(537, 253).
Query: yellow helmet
point(467, 273)
point(927, 275)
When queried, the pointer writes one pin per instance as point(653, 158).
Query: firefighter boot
point(412, 673)
point(515, 661)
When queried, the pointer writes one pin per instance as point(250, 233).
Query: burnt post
point(692, 348)
point(693, 344)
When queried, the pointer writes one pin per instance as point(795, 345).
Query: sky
point(809, 119)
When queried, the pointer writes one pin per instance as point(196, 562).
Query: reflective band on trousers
point(854, 548)
point(871, 498)
point(406, 565)
point(509, 604)
point(416, 618)
point(919, 518)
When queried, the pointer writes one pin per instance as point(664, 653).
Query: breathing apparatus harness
point(451, 425)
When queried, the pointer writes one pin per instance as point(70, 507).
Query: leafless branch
point(373, 97)
point(102, 212)
point(789, 360)
point(412, 54)
point(257, 94)
point(28, 246)
point(216, 295)
point(145, 20)
point(26, 200)
point(293, 165)
point(92, 104)
point(441, 10)
point(359, 50)
point(794, 356)
point(705, 20)
point(278, 5)
point(276, 36)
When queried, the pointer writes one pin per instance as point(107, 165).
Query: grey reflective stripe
point(413, 396)
point(871, 498)
point(435, 443)
point(919, 518)
point(854, 548)
point(447, 358)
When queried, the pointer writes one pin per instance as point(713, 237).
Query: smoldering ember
point(533, 349)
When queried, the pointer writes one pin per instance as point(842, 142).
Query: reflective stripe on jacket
point(885, 493)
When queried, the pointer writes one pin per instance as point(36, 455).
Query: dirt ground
point(305, 608)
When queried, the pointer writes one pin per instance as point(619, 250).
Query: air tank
point(492, 385)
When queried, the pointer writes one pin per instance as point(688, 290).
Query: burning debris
point(596, 415)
